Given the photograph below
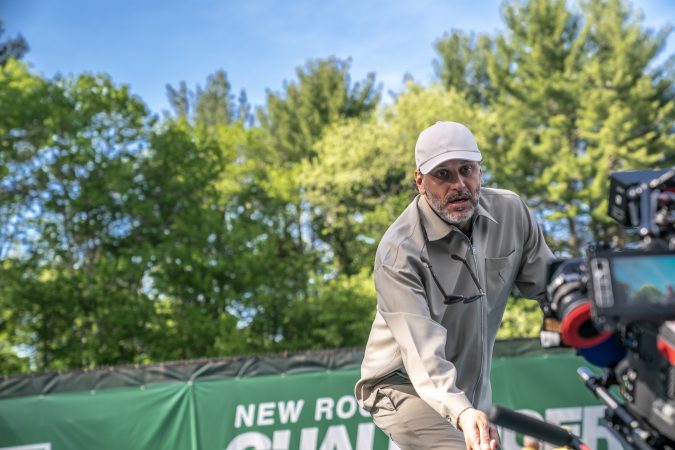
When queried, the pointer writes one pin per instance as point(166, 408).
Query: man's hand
point(479, 433)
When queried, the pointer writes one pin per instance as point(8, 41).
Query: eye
point(442, 174)
point(466, 170)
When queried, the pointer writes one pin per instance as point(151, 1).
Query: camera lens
point(572, 307)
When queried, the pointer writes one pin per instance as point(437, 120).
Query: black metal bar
point(534, 427)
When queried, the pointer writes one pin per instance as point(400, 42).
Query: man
point(443, 272)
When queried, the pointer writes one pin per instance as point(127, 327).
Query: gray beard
point(457, 219)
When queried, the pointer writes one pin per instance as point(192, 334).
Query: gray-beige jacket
point(446, 350)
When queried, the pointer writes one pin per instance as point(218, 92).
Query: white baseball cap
point(444, 141)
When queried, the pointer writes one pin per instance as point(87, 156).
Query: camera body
point(616, 307)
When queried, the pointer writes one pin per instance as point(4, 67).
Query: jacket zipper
point(482, 325)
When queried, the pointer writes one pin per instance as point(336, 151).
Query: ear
point(419, 183)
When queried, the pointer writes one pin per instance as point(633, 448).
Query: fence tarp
point(210, 405)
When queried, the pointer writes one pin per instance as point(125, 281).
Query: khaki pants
point(410, 422)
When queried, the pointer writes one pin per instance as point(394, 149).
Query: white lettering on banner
point(324, 407)
point(245, 414)
point(365, 436)
point(350, 402)
point(308, 438)
point(289, 412)
point(582, 421)
point(281, 440)
point(593, 431)
point(345, 408)
point(251, 439)
point(336, 438)
point(266, 414)
point(566, 417)
point(393, 446)
point(508, 437)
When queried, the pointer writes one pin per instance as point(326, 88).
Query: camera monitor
point(635, 285)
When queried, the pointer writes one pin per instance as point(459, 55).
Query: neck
point(466, 227)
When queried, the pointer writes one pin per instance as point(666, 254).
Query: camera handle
point(647, 195)
point(619, 420)
point(539, 429)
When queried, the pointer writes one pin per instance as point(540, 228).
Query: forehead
point(454, 164)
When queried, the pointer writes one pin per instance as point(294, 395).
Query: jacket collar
point(437, 228)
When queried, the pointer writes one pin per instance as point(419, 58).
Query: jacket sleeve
point(402, 303)
point(531, 278)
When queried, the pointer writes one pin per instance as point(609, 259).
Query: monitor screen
point(647, 279)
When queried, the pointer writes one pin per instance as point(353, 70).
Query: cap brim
point(469, 155)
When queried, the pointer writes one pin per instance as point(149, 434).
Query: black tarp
point(215, 368)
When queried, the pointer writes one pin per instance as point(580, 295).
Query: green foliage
point(25, 122)
point(210, 106)
point(522, 318)
point(323, 94)
point(214, 104)
point(363, 174)
point(292, 254)
point(11, 48)
point(573, 96)
point(127, 240)
point(463, 65)
point(337, 314)
point(67, 171)
point(126, 217)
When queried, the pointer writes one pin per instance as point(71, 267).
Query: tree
point(191, 244)
point(463, 65)
point(291, 124)
point(362, 176)
point(649, 295)
point(322, 95)
point(214, 104)
point(337, 314)
point(130, 241)
point(358, 183)
point(180, 99)
point(13, 48)
point(210, 106)
point(573, 96)
point(570, 97)
point(69, 153)
point(124, 239)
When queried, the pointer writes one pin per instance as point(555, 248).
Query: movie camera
point(616, 307)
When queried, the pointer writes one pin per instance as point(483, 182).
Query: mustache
point(462, 195)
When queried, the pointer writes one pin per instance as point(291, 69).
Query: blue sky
point(259, 43)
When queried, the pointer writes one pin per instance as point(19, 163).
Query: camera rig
point(616, 308)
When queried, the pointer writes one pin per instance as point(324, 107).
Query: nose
point(456, 181)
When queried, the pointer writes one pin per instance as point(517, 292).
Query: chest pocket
point(500, 273)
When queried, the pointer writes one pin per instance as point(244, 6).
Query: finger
point(494, 435)
point(472, 438)
point(481, 439)
point(489, 437)
point(484, 432)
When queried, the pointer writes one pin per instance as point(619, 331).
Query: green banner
point(311, 410)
